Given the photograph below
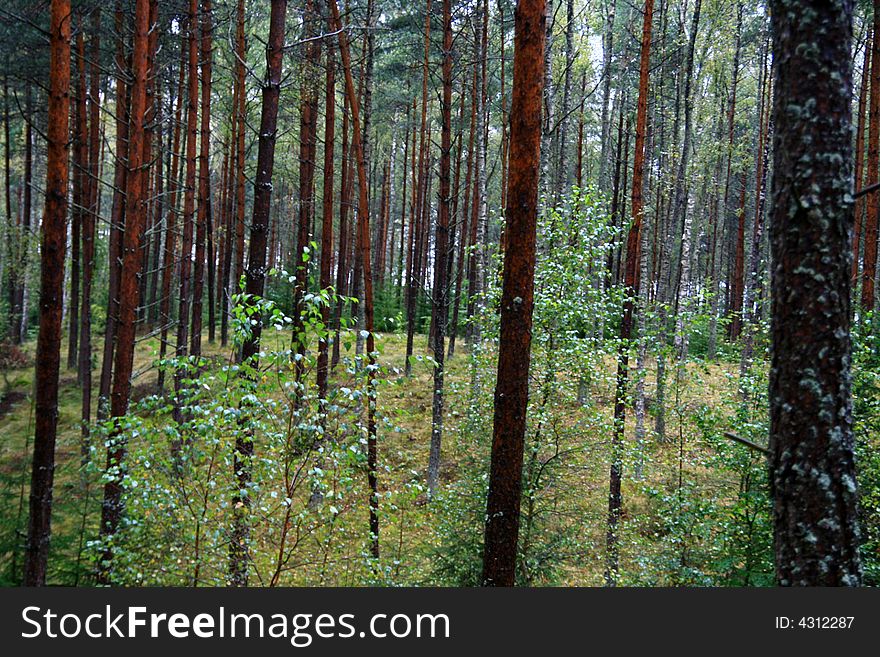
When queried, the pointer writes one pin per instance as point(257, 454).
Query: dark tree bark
point(414, 278)
point(517, 297)
point(441, 242)
point(204, 208)
point(80, 165)
point(307, 150)
point(869, 265)
point(256, 278)
point(813, 479)
point(88, 228)
point(53, 241)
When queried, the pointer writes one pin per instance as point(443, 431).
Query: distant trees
point(812, 468)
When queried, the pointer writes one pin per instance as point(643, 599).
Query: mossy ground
point(409, 537)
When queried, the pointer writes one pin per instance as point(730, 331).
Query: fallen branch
point(747, 443)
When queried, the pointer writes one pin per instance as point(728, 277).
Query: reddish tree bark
point(364, 235)
point(631, 282)
point(189, 193)
point(117, 215)
point(517, 297)
point(52, 247)
point(135, 210)
point(240, 119)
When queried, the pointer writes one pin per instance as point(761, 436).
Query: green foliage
point(568, 353)
point(866, 416)
point(180, 480)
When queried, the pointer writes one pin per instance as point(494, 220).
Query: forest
point(457, 293)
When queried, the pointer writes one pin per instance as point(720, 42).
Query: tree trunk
point(813, 478)
point(88, 229)
point(189, 193)
point(53, 239)
point(169, 258)
point(327, 219)
point(80, 165)
point(514, 352)
point(204, 209)
point(255, 281)
point(631, 283)
point(364, 234)
point(441, 243)
point(869, 265)
point(117, 215)
point(112, 507)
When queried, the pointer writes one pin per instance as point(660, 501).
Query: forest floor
point(569, 508)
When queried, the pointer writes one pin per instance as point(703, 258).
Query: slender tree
point(869, 265)
point(631, 283)
point(441, 248)
point(364, 246)
point(204, 207)
point(135, 213)
point(256, 278)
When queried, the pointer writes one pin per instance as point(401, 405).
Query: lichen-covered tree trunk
point(517, 298)
point(812, 470)
point(52, 247)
